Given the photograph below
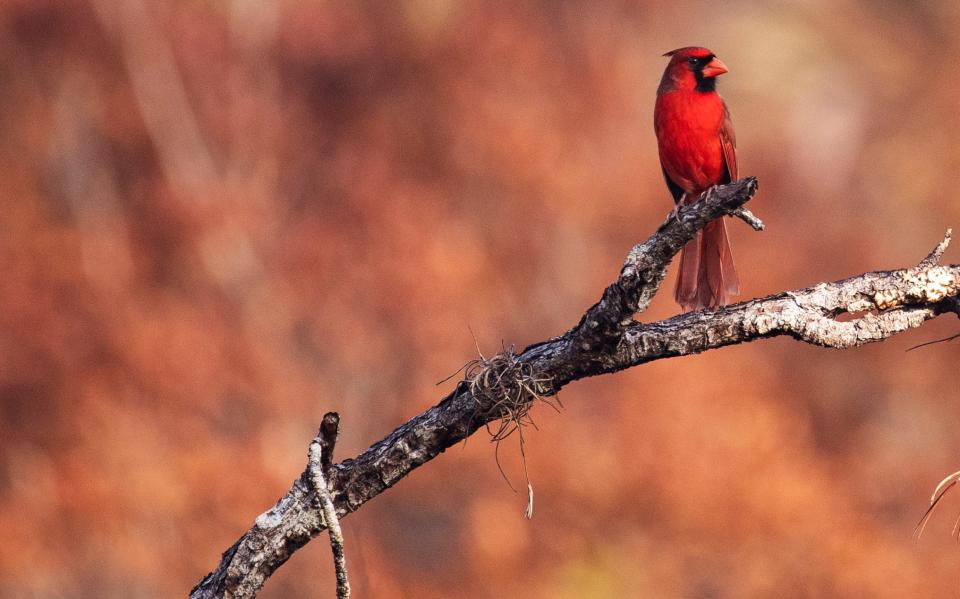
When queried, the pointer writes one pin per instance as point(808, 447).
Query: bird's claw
point(675, 214)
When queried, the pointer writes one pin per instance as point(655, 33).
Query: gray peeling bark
point(607, 339)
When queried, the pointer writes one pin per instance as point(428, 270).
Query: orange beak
point(715, 67)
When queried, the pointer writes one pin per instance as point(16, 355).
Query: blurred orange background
point(222, 219)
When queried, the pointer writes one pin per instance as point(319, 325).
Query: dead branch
point(319, 461)
point(606, 339)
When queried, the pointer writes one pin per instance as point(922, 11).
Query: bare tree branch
point(606, 339)
point(319, 461)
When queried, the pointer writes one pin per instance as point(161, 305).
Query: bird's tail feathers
point(708, 277)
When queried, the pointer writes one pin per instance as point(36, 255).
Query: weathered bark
point(319, 461)
point(606, 339)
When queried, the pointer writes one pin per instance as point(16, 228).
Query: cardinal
point(697, 151)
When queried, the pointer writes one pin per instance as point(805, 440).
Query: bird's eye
point(693, 61)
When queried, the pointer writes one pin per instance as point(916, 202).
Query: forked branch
point(606, 339)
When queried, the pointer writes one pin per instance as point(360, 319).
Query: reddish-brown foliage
point(220, 220)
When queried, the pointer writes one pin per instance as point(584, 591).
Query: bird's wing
point(728, 141)
point(675, 190)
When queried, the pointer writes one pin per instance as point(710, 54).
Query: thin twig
point(945, 485)
point(748, 217)
point(320, 457)
point(933, 258)
point(935, 341)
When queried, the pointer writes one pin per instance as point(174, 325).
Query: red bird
point(697, 151)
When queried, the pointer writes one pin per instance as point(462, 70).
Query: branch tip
point(748, 217)
point(933, 258)
point(327, 438)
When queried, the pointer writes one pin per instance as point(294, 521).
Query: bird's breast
point(688, 136)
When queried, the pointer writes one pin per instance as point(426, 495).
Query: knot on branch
point(506, 387)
